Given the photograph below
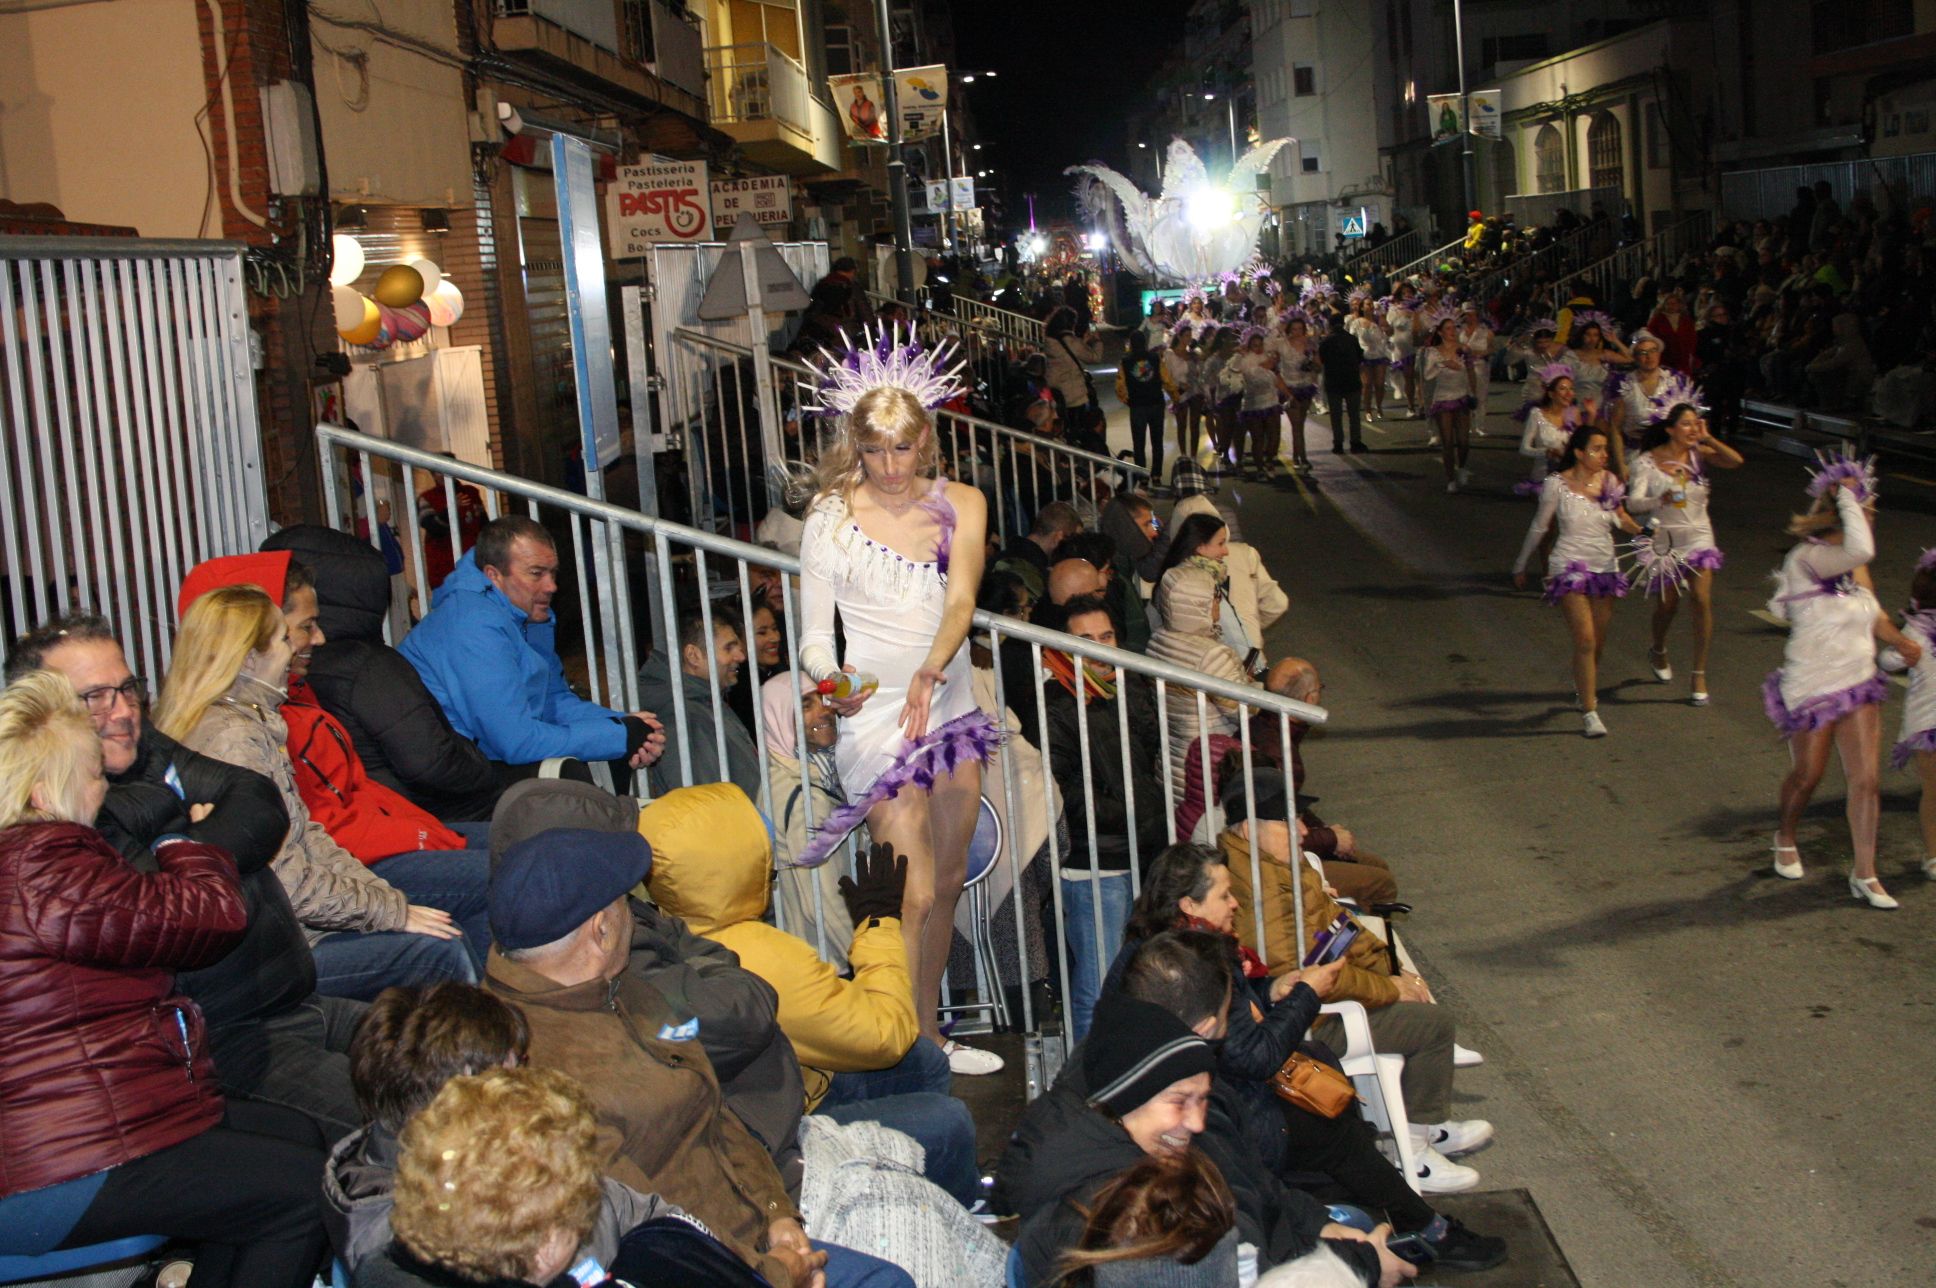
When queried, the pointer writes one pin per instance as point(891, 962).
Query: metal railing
point(1764, 194)
point(674, 52)
point(130, 450)
point(1387, 255)
point(1427, 261)
point(1650, 255)
point(1007, 323)
point(597, 23)
point(757, 83)
point(1561, 254)
point(1533, 209)
point(668, 569)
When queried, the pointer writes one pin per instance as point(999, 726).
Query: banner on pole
point(665, 201)
point(920, 92)
point(1486, 120)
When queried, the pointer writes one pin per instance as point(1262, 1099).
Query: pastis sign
point(659, 201)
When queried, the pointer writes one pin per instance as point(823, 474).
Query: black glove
point(876, 889)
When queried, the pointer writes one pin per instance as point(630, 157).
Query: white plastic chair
point(1377, 1080)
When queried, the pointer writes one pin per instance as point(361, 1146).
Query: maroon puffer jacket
point(104, 1061)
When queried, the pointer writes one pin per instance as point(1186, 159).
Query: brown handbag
point(1313, 1086)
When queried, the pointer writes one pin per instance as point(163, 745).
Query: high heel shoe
point(1870, 891)
point(1662, 671)
point(1699, 696)
point(1788, 871)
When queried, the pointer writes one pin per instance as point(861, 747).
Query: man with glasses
point(272, 1037)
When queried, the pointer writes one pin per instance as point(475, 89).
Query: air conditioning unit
point(289, 122)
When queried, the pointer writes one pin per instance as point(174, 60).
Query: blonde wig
point(221, 629)
point(882, 417)
point(46, 741)
point(494, 1166)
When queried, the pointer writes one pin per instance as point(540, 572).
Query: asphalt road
point(1703, 1074)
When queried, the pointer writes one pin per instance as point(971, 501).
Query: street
point(1704, 1075)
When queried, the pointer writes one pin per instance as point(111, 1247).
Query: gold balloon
point(399, 287)
point(365, 331)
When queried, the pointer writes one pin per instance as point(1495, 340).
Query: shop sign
point(768, 198)
point(661, 201)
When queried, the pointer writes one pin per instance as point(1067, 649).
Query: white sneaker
point(971, 1061)
point(1929, 868)
point(1433, 441)
point(1462, 476)
point(1593, 726)
point(1452, 1138)
point(1452, 484)
point(1438, 1174)
point(1465, 1057)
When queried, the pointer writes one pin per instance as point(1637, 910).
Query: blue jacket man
point(486, 653)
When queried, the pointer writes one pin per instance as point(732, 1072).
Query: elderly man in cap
point(563, 932)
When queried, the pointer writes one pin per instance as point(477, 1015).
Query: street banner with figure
point(1485, 114)
point(921, 93)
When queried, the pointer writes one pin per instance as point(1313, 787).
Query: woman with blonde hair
point(1827, 691)
point(113, 1120)
point(898, 552)
point(223, 697)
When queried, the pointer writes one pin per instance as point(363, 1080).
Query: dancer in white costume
point(1918, 739)
point(1477, 339)
point(1642, 397)
point(1374, 337)
point(1583, 499)
point(1445, 383)
point(898, 552)
point(1550, 422)
point(1680, 557)
point(1827, 691)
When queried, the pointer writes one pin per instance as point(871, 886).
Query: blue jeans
point(912, 1098)
point(849, 1269)
point(1079, 927)
point(477, 836)
point(361, 964)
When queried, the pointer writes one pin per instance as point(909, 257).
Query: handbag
point(1313, 1086)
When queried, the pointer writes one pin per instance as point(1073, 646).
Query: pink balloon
point(411, 321)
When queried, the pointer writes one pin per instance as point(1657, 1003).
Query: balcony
point(759, 95)
point(644, 48)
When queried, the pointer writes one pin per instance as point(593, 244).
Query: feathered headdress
point(1547, 325)
point(1582, 318)
point(884, 359)
point(1926, 560)
point(1553, 371)
point(1838, 467)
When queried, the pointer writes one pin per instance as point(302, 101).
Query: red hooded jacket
point(363, 816)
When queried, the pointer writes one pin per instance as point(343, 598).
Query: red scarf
point(1254, 967)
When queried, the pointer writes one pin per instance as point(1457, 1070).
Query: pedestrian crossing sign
point(1354, 225)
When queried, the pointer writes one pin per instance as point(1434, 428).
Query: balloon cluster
point(407, 301)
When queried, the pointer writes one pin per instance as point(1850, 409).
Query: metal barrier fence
point(1015, 326)
point(1562, 254)
point(1652, 255)
point(129, 445)
point(1050, 808)
point(1427, 262)
point(1387, 255)
point(737, 471)
point(1764, 194)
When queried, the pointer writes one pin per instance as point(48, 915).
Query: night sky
point(1071, 70)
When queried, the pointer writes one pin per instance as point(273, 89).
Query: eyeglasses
point(100, 699)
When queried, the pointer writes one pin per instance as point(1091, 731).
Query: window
point(1308, 153)
point(840, 49)
point(1549, 160)
point(1304, 79)
point(1603, 152)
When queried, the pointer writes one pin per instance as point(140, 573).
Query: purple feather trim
point(1577, 579)
point(1444, 405)
point(1402, 364)
point(1528, 487)
point(937, 755)
point(1525, 410)
point(1304, 393)
point(1265, 414)
point(1706, 559)
point(1839, 467)
point(1612, 494)
point(1902, 752)
point(937, 504)
point(1823, 710)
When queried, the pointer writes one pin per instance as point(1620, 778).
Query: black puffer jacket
point(271, 970)
point(403, 736)
point(1109, 792)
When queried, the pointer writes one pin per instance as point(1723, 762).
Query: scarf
point(1254, 967)
point(1098, 683)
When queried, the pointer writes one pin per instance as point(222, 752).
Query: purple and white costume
point(1643, 409)
point(1583, 560)
point(1447, 385)
point(1828, 668)
point(890, 610)
point(1683, 536)
point(1919, 708)
point(1542, 440)
point(1400, 317)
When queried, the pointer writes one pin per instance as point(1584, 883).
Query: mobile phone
point(1413, 1247)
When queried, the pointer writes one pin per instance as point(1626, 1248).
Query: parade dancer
point(1918, 739)
point(1596, 352)
point(898, 552)
point(1539, 348)
point(1827, 691)
point(1549, 424)
point(1374, 337)
point(1401, 315)
point(1180, 361)
point(1299, 368)
point(1583, 576)
point(1263, 406)
point(1446, 377)
point(1680, 557)
point(1638, 399)
point(1477, 339)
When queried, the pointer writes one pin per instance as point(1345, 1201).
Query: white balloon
point(430, 273)
point(446, 304)
point(348, 303)
point(348, 259)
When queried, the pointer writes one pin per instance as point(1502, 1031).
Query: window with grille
point(1304, 79)
point(1603, 152)
point(1549, 160)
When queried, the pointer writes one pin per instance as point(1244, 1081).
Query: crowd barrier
point(663, 566)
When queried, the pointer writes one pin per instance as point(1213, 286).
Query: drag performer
point(1918, 740)
point(1827, 690)
point(1549, 423)
point(1680, 557)
point(898, 552)
point(1642, 397)
point(1445, 376)
point(1583, 499)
